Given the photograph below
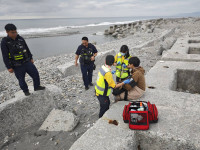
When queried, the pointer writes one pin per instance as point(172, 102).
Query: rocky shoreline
point(148, 46)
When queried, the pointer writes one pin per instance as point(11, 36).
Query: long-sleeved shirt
point(5, 50)
point(138, 77)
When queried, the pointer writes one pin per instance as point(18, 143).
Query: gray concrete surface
point(173, 75)
point(105, 136)
point(178, 127)
point(185, 49)
point(21, 112)
point(165, 34)
point(69, 68)
point(59, 120)
point(100, 59)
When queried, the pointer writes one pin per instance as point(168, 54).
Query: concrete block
point(178, 127)
point(185, 49)
point(59, 120)
point(172, 75)
point(22, 112)
point(164, 35)
point(166, 45)
point(70, 69)
point(100, 59)
point(108, 136)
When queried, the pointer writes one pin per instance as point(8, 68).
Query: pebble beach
point(146, 39)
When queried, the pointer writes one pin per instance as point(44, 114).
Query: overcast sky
point(94, 8)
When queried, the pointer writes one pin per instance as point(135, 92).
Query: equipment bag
point(153, 113)
point(139, 113)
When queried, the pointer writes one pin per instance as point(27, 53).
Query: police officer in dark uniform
point(87, 53)
point(18, 59)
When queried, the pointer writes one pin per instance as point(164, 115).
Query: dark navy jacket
point(79, 50)
point(5, 50)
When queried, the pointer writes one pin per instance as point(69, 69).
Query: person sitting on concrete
point(18, 59)
point(104, 83)
point(121, 63)
point(87, 53)
point(136, 88)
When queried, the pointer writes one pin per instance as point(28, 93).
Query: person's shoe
point(27, 93)
point(91, 84)
point(39, 88)
point(86, 88)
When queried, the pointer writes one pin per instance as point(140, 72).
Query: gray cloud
point(95, 8)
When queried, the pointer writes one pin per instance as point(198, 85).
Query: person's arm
point(28, 51)
point(115, 62)
point(76, 59)
point(135, 76)
point(78, 52)
point(111, 83)
point(93, 57)
point(5, 55)
point(119, 85)
point(95, 52)
point(127, 81)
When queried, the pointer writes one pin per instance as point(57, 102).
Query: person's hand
point(124, 65)
point(11, 70)
point(127, 81)
point(118, 63)
point(32, 61)
point(76, 64)
point(113, 72)
point(92, 58)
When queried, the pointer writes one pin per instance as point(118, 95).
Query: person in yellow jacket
point(121, 63)
point(105, 83)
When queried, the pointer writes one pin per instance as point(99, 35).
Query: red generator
point(139, 114)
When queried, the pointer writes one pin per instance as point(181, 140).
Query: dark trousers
point(104, 104)
point(21, 71)
point(87, 71)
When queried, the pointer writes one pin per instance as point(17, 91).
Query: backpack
point(139, 114)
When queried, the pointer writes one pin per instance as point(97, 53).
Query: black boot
point(91, 84)
point(39, 88)
point(27, 93)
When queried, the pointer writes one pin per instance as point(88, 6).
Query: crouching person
point(136, 88)
point(104, 84)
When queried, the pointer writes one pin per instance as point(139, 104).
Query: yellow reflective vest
point(120, 71)
point(101, 87)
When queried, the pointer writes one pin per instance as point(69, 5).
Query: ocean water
point(50, 39)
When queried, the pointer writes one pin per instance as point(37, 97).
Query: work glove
point(119, 63)
point(124, 65)
point(113, 72)
point(127, 81)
